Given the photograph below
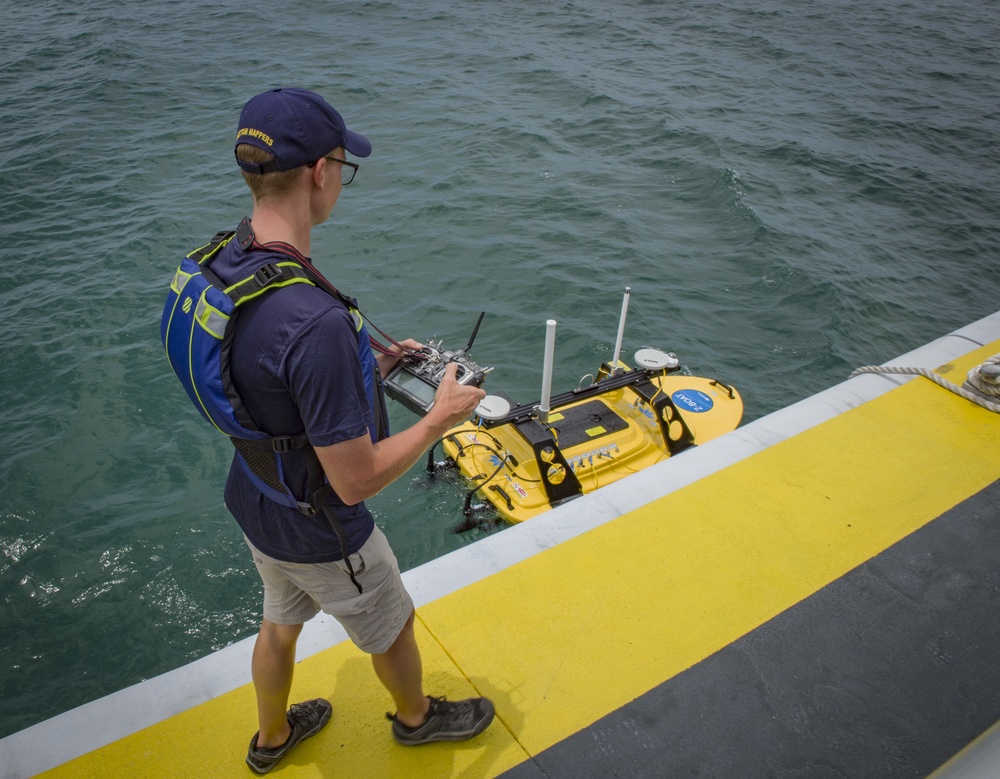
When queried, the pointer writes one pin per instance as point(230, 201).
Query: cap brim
point(357, 144)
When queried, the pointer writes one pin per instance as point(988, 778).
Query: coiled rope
point(982, 384)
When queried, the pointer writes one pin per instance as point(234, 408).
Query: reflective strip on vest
point(211, 319)
point(180, 279)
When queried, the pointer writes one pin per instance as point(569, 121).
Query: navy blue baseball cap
point(297, 127)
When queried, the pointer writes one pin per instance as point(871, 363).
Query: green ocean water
point(791, 189)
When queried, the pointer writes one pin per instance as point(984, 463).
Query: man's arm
point(358, 469)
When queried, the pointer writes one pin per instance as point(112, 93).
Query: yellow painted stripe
point(210, 741)
point(575, 632)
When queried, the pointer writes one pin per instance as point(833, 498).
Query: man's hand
point(386, 362)
point(358, 469)
point(454, 402)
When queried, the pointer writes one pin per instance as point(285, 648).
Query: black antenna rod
point(475, 331)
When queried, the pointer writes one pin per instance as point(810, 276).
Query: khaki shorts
point(296, 592)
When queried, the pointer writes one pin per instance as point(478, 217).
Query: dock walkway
point(816, 594)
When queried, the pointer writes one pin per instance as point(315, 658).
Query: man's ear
point(319, 172)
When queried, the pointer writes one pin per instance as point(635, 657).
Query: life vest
point(199, 318)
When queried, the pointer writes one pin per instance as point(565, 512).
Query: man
point(300, 360)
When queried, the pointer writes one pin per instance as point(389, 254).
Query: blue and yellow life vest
point(198, 321)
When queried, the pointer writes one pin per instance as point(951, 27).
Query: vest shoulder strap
point(205, 253)
point(266, 278)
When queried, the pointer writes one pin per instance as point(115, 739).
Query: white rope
point(982, 384)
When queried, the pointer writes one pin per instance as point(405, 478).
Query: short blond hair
point(265, 185)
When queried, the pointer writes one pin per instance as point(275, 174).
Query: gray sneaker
point(307, 719)
point(446, 721)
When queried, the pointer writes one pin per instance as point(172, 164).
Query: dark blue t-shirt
point(300, 363)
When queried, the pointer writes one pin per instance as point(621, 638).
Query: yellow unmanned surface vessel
point(523, 459)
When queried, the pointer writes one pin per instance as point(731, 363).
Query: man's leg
point(401, 672)
point(273, 666)
point(418, 719)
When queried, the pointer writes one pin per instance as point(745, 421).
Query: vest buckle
point(283, 444)
point(266, 274)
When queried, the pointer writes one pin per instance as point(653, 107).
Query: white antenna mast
point(621, 330)
point(550, 348)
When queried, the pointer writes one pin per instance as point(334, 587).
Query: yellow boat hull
point(595, 441)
